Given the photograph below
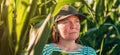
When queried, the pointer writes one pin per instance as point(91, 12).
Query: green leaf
point(1, 22)
point(24, 11)
point(1, 1)
point(7, 16)
point(58, 53)
point(117, 31)
point(36, 19)
point(42, 40)
point(41, 37)
point(113, 48)
point(21, 16)
point(110, 4)
point(99, 12)
point(92, 30)
point(60, 4)
point(119, 36)
point(102, 44)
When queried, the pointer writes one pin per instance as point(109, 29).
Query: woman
point(66, 33)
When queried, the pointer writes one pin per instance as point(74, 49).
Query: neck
point(68, 45)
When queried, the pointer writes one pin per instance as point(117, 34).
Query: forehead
point(73, 17)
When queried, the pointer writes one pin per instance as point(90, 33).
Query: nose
point(72, 26)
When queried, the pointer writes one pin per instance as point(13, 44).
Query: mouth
point(73, 32)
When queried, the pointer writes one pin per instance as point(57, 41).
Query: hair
point(55, 39)
point(55, 34)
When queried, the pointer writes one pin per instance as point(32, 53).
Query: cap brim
point(81, 17)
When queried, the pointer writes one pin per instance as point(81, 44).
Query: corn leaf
point(7, 14)
point(60, 4)
point(58, 53)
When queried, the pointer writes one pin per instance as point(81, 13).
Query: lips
point(73, 32)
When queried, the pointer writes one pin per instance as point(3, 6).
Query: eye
point(65, 22)
point(77, 21)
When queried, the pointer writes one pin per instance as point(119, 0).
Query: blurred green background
point(25, 25)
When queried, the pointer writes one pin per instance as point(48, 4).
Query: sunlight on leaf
point(112, 49)
point(1, 22)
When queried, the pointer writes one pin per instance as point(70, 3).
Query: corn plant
point(15, 15)
point(102, 27)
point(25, 25)
point(16, 18)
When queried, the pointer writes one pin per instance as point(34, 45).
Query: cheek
point(78, 27)
point(66, 29)
point(63, 30)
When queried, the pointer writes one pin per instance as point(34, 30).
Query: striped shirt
point(85, 50)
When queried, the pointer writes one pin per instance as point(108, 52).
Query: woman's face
point(69, 28)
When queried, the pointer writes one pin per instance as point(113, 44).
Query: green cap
point(67, 11)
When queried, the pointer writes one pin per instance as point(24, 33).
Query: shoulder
point(88, 50)
point(49, 45)
point(48, 48)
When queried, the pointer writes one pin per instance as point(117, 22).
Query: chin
point(73, 38)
